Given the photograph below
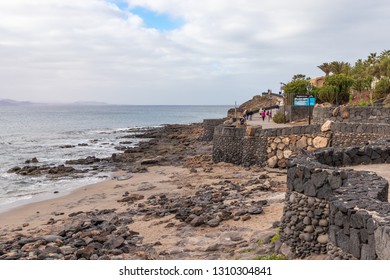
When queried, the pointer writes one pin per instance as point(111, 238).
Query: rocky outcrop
point(36, 170)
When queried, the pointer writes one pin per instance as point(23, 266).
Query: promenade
point(257, 120)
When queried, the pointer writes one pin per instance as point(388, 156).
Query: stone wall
point(351, 134)
point(208, 128)
point(329, 206)
point(280, 148)
point(272, 147)
point(257, 146)
point(228, 143)
point(351, 114)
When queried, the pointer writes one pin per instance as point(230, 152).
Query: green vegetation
point(297, 86)
point(276, 236)
point(362, 103)
point(382, 88)
point(345, 82)
point(279, 117)
point(270, 257)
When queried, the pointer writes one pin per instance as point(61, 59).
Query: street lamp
point(308, 88)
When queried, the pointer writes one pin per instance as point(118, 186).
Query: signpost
point(308, 88)
point(304, 100)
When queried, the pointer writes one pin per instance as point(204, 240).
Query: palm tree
point(384, 66)
point(339, 67)
point(298, 77)
point(371, 59)
point(325, 67)
point(384, 53)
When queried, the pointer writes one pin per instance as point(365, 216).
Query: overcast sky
point(177, 51)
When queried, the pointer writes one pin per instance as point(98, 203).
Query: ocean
point(56, 133)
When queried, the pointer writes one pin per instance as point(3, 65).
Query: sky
point(168, 52)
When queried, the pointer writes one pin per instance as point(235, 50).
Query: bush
point(382, 88)
point(327, 94)
point(362, 103)
point(279, 117)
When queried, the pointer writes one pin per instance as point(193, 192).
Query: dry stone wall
point(332, 207)
point(352, 134)
point(280, 148)
point(350, 114)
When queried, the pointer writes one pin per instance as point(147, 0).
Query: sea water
point(56, 133)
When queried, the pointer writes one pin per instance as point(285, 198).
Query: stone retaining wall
point(228, 144)
point(280, 148)
point(257, 146)
point(272, 147)
point(208, 128)
point(331, 206)
point(351, 134)
point(352, 114)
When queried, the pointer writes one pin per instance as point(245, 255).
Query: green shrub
point(362, 103)
point(327, 94)
point(279, 117)
point(382, 88)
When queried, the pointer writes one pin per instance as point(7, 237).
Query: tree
point(297, 86)
point(371, 59)
point(362, 84)
point(298, 77)
point(325, 67)
point(382, 88)
point(359, 70)
point(339, 67)
point(384, 66)
point(341, 84)
point(384, 53)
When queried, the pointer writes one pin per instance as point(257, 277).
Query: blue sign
point(304, 100)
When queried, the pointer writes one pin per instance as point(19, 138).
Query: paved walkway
point(257, 120)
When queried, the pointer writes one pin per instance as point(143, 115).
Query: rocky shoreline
point(168, 200)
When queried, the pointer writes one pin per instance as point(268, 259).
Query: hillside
point(255, 104)
point(10, 102)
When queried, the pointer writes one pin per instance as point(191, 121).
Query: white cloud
point(59, 50)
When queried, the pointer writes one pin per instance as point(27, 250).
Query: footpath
point(257, 120)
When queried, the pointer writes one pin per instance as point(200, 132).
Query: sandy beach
point(167, 200)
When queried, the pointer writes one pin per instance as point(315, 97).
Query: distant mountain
point(90, 103)
point(10, 102)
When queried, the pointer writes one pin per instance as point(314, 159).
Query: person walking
point(250, 114)
point(263, 115)
point(269, 116)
